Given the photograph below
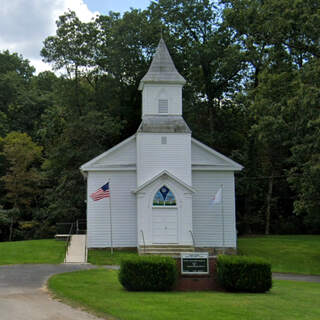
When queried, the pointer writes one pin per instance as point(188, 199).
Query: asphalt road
point(295, 277)
point(23, 295)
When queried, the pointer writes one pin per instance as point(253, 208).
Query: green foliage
point(8, 219)
point(22, 179)
point(239, 273)
point(148, 273)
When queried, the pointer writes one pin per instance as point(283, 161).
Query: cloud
point(25, 24)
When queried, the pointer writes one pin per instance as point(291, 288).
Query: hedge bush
point(148, 273)
point(240, 273)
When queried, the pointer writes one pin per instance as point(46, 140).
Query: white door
point(164, 225)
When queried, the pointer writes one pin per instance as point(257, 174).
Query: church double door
point(164, 225)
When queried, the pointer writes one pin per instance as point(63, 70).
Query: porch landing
point(164, 250)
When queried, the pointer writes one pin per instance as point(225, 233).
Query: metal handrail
point(144, 244)
point(62, 228)
point(68, 241)
point(80, 229)
point(193, 241)
point(86, 250)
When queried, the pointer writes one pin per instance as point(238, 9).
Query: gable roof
point(122, 157)
point(163, 124)
point(208, 158)
point(162, 68)
point(164, 173)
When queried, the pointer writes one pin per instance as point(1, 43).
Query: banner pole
point(222, 216)
point(111, 244)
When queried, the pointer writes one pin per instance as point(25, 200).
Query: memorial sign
point(195, 263)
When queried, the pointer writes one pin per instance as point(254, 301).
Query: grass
point(288, 254)
point(32, 251)
point(99, 291)
point(104, 257)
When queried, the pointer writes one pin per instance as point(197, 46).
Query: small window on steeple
point(163, 106)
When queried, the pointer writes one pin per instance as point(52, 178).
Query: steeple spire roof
point(162, 68)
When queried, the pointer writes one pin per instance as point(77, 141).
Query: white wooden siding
point(124, 155)
point(153, 156)
point(123, 206)
point(201, 156)
point(207, 219)
point(152, 93)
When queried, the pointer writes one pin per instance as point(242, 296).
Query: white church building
point(162, 181)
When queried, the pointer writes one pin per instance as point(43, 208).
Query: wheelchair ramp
point(77, 251)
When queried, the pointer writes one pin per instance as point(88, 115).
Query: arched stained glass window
point(164, 197)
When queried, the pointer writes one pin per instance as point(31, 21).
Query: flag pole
point(222, 216)
point(111, 244)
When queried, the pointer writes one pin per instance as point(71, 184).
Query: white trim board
point(170, 175)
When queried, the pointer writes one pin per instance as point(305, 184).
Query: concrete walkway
point(23, 295)
point(77, 249)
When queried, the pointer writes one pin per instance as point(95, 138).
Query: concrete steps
point(76, 252)
point(164, 250)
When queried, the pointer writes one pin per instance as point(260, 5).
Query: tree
point(72, 48)
point(8, 218)
point(279, 43)
point(22, 179)
point(304, 175)
point(21, 101)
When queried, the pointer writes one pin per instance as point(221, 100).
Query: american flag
point(103, 192)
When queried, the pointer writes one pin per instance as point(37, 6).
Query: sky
point(24, 24)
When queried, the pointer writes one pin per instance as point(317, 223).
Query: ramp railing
point(68, 240)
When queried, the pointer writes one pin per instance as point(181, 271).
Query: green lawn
point(32, 251)
point(292, 253)
point(100, 292)
point(104, 257)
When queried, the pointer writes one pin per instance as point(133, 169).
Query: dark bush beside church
point(148, 273)
point(248, 274)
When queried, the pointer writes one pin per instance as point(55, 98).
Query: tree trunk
point(247, 211)
point(11, 229)
point(268, 210)
point(77, 90)
point(211, 127)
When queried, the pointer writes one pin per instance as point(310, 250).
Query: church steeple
point(162, 86)
point(162, 68)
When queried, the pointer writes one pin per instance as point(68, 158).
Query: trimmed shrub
point(148, 273)
point(240, 273)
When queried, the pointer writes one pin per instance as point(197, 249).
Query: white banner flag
point(217, 197)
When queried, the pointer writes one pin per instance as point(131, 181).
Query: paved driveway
point(23, 296)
